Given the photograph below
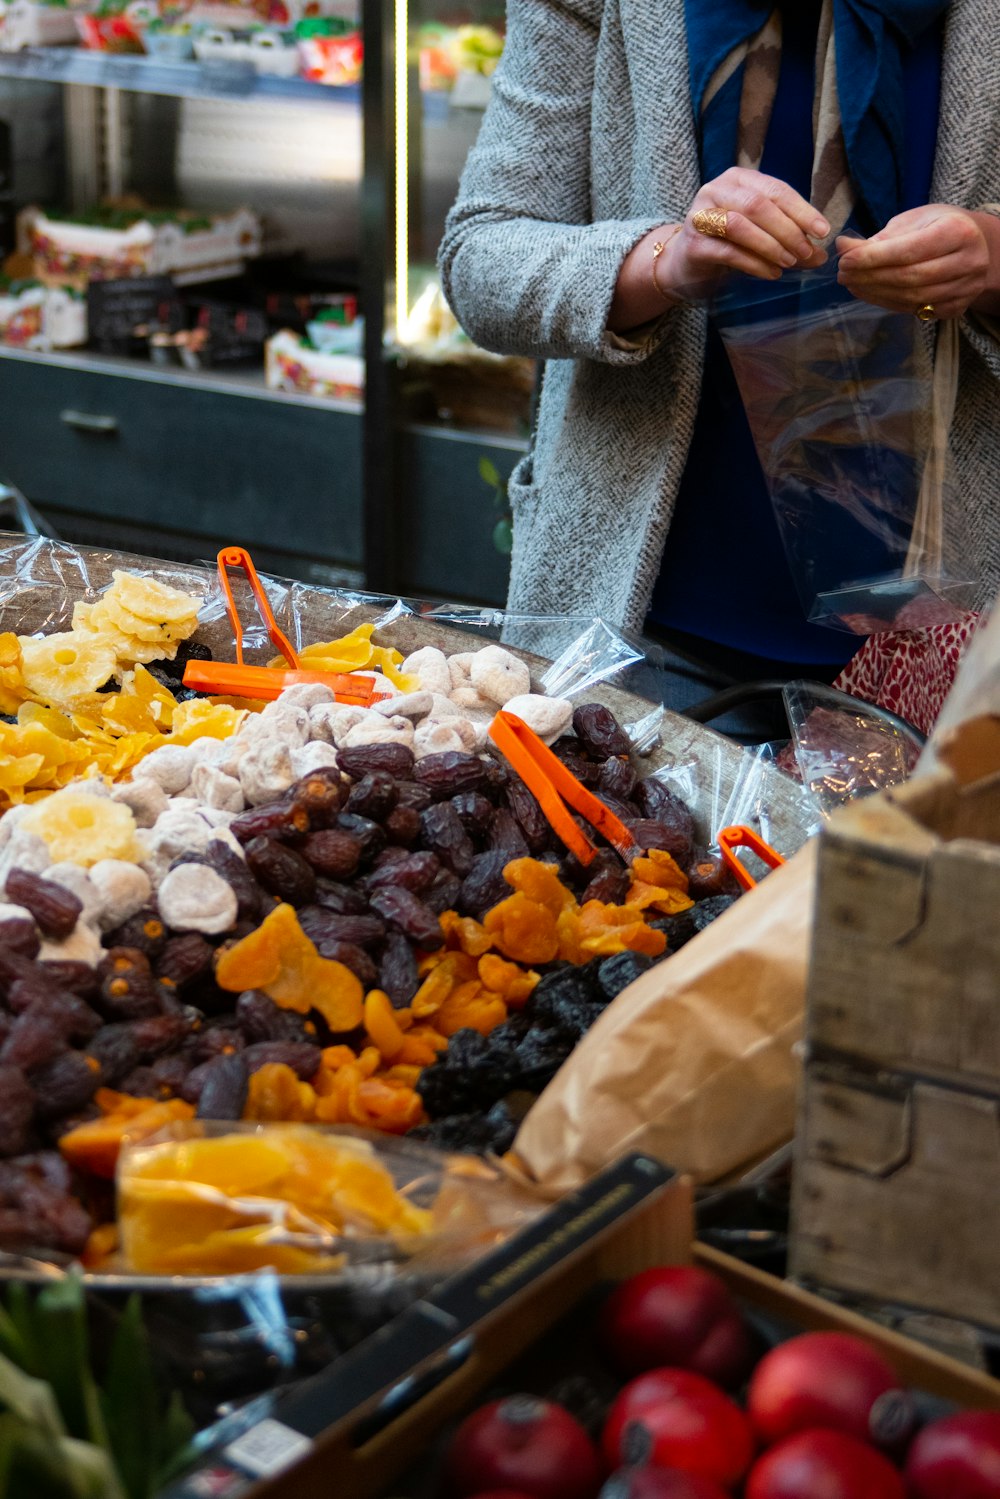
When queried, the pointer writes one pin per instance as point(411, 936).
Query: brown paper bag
point(693, 1063)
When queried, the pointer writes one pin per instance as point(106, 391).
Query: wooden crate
point(897, 1170)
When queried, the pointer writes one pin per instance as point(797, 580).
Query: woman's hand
point(769, 229)
point(944, 257)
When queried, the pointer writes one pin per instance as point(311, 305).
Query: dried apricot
point(512, 983)
point(523, 929)
point(382, 1025)
point(539, 882)
point(279, 958)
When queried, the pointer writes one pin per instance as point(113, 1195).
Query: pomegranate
point(824, 1465)
point(832, 1380)
point(673, 1418)
point(526, 1445)
point(677, 1315)
point(957, 1457)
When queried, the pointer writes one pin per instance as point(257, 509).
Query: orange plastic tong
point(268, 682)
point(558, 788)
point(739, 836)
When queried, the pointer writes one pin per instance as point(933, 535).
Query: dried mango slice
point(95, 1145)
point(279, 958)
point(83, 828)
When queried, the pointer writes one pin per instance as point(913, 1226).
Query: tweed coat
point(588, 143)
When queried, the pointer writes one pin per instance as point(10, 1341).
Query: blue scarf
point(870, 36)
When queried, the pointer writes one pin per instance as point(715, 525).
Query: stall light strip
point(401, 89)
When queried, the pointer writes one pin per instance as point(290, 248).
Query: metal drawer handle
point(87, 421)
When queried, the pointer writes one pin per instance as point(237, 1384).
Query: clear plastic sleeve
point(844, 750)
point(839, 396)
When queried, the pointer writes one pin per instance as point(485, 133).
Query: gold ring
point(926, 314)
point(711, 221)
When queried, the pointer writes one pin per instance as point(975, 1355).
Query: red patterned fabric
point(910, 672)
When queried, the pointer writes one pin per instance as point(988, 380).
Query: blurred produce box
point(114, 241)
point(898, 1170)
point(33, 316)
point(31, 23)
point(293, 364)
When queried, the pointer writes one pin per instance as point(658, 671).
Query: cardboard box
point(353, 1429)
point(897, 1177)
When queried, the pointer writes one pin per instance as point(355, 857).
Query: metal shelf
point(220, 79)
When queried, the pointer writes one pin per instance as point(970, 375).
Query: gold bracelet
point(658, 249)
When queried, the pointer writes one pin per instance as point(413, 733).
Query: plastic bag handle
point(738, 836)
point(239, 557)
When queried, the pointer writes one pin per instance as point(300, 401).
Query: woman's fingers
point(934, 254)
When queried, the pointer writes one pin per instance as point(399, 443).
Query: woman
point(633, 153)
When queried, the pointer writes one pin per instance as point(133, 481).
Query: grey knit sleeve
point(523, 267)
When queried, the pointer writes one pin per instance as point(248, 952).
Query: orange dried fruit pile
point(279, 959)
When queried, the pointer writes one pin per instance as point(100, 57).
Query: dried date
point(321, 925)
point(395, 759)
point(115, 1050)
point(70, 1015)
point(655, 800)
point(529, 816)
point(474, 812)
point(412, 871)
point(250, 898)
point(55, 909)
point(398, 976)
point(260, 1019)
point(506, 837)
point(301, 1056)
point(144, 931)
point(66, 973)
point(599, 731)
point(443, 893)
point(609, 884)
point(654, 834)
point(333, 852)
point(441, 830)
point(618, 778)
point(223, 1091)
point(345, 900)
point(158, 1034)
point(368, 833)
point(410, 915)
point(361, 964)
point(20, 934)
point(17, 1109)
point(184, 958)
point(403, 826)
point(450, 773)
point(374, 796)
point(708, 876)
point(281, 870)
point(65, 1084)
point(484, 886)
point(321, 795)
point(411, 794)
point(33, 1041)
point(281, 819)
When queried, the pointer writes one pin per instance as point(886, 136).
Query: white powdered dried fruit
point(548, 716)
point(470, 699)
point(10, 820)
point(430, 666)
point(435, 738)
point(313, 756)
point(460, 668)
point(499, 676)
point(289, 719)
point(306, 695)
point(375, 729)
point(381, 684)
point(215, 789)
point(144, 797)
point(24, 850)
point(83, 945)
point(194, 898)
point(124, 889)
point(170, 767)
point(442, 707)
point(10, 912)
point(266, 771)
point(178, 830)
point(411, 705)
point(348, 719)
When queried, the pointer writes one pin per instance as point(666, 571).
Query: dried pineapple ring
point(112, 611)
point(152, 600)
point(61, 667)
point(83, 829)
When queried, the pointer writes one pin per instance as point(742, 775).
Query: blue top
point(724, 526)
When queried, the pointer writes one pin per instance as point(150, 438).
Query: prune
point(395, 759)
point(475, 813)
point(709, 876)
point(618, 778)
point(223, 1092)
point(184, 958)
point(707, 911)
point(656, 800)
point(403, 825)
point(484, 886)
point(529, 816)
point(144, 931)
point(239, 877)
point(413, 796)
point(687, 924)
point(260, 1019)
point(616, 973)
point(281, 819)
point(609, 885)
point(321, 925)
point(443, 892)
point(332, 852)
point(506, 836)
point(70, 1015)
point(67, 973)
point(55, 909)
point(479, 1133)
point(410, 915)
point(303, 1058)
point(373, 796)
point(411, 871)
point(17, 1109)
point(361, 964)
point(540, 1055)
point(441, 830)
point(566, 1001)
point(20, 934)
point(281, 870)
point(64, 1085)
point(599, 731)
point(464, 1078)
point(321, 794)
point(368, 833)
point(33, 1041)
point(115, 1049)
point(397, 975)
point(346, 900)
point(449, 773)
point(651, 834)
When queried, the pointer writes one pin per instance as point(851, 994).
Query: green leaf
point(132, 1404)
point(61, 1313)
point(30, 1398)
point(20, 1307)
point(489, 473)
point(503, 536)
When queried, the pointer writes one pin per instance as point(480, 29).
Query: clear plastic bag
point(839, 396)
point(844, 750)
